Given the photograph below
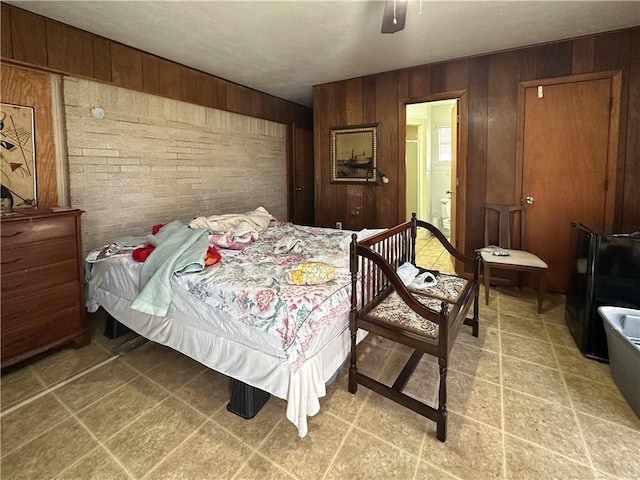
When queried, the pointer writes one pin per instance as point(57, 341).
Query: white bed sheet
point(220, 342)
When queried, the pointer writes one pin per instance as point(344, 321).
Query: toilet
point(445, 210)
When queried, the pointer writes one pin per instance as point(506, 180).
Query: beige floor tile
point(405, 349)
point(570, 360)
point(613, 450)
point(340, 402)
point(67, 362)
point(488, 338)
point(207, 392)
point(530, 350)
point(474, 398)
point(546, 424)
point(18, 385)
point(209, 453)
point(261, 468)
point(115, 411)
point(517, 307)
point(528, 461)
point(373, 340)
point(148, 356)
point(601, 400)
point(493, 300)
point(536, 380)
point(308, 457)
point(444, 266)
point(255, 430)
point(29, 421)
point(396, 362)
point(426, 471)
point(472, 450)
point(606, 476)
point(423, 384)
point(372, 359)
point(97, 465)
point(363, 456)
point(176, 373)
point(392, 422)
point(488, 317)
point(50, 453)
point(529, 327)
point(554, 308)
point(511, 294)
point(150, 438)
point(560, 335)
point(95, 385)
point(475, 361)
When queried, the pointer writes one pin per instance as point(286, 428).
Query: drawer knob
point(12, 235)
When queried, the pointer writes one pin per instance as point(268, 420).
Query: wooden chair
point(426, 319)
point(518, 259)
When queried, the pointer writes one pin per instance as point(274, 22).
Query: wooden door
point(303, 197)
point(567, 166)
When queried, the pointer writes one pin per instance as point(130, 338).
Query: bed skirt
point(302, 389)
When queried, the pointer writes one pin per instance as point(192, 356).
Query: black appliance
point(605, 270)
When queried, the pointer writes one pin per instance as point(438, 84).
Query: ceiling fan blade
point(388, 26)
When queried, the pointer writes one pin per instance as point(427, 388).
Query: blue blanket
point(178, 250)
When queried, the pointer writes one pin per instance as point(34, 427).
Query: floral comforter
point(250, 285)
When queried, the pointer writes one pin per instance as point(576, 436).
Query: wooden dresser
point(42, 289)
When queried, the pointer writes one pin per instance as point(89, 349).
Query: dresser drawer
point(34, 280)
point(46, 331)
point(31, 230)
point(20, 311)
point(35, 255)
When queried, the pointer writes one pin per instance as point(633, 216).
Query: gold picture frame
point(354, 152)
point(18, 154)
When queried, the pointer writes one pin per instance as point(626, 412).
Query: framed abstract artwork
point(17, 151)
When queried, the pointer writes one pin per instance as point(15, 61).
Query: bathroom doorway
point(431, 153)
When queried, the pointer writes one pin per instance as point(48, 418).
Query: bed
point(247, 316)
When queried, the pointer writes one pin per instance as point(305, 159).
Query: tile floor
point(524, 404)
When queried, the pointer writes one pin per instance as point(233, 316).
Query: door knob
point(298, 189)
point(529, 200)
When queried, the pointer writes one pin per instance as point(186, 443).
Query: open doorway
point(431, 147)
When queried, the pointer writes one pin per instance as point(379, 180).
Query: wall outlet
point(339, 225)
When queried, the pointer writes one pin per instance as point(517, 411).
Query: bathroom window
point(444, 144)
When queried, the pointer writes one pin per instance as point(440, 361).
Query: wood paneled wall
point(36, 41)
point(490, 86)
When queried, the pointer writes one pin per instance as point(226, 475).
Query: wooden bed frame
point(427, 329)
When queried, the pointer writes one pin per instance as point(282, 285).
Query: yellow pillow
point(310, 273)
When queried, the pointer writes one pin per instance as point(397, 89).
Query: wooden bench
point(424, 319)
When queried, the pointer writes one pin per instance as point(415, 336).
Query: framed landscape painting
point(353, 154)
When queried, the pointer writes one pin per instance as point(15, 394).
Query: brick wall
point(152, 160)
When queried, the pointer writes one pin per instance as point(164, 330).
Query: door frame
point(614, 131)
point(420, 123)
point(459, 213)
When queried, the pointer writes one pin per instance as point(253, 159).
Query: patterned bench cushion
point(449, 288)
point(393, 310)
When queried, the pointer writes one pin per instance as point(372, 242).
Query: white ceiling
point(285, 47)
